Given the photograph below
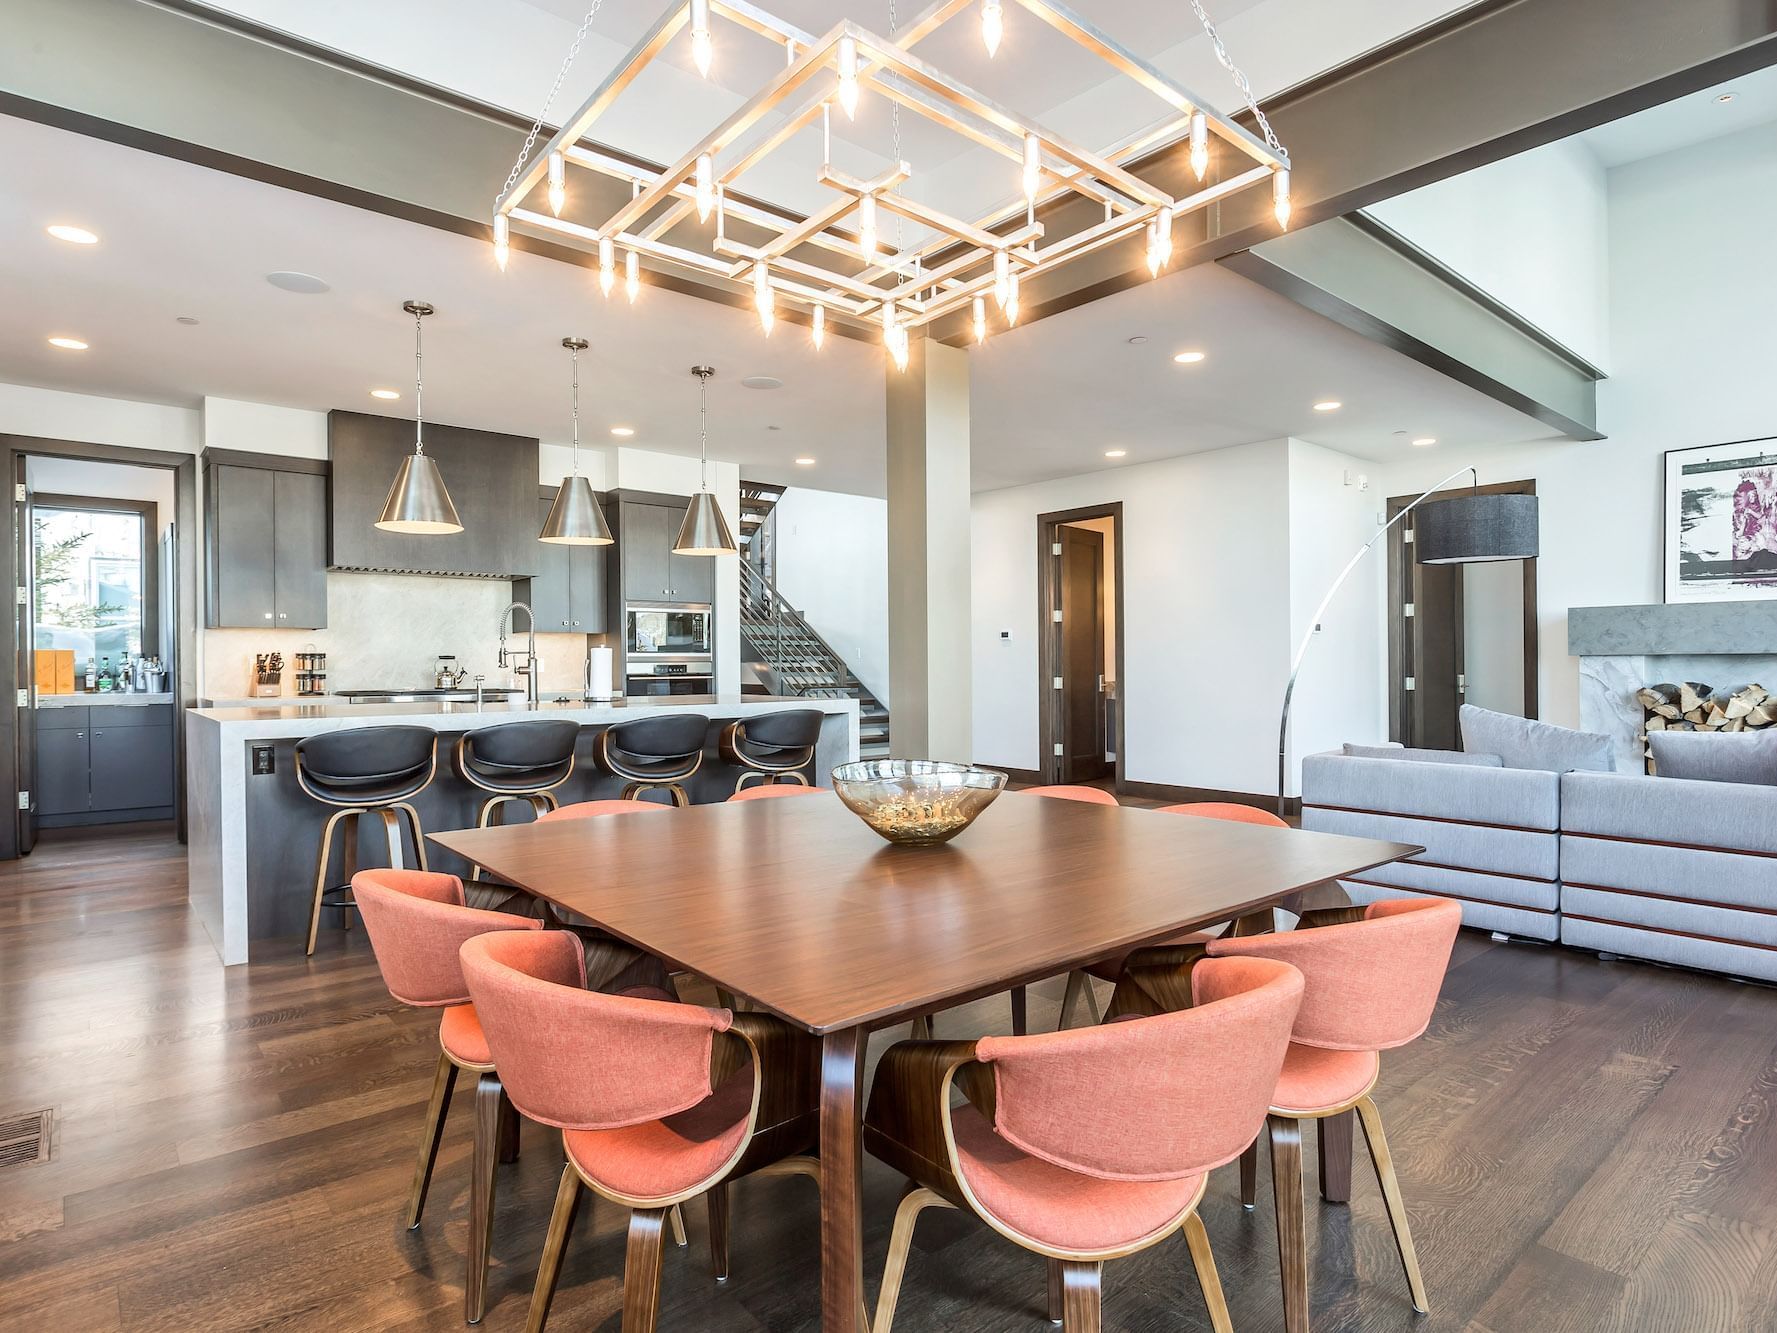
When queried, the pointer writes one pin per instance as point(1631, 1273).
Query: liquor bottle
point(92, 676)
point(107, 678)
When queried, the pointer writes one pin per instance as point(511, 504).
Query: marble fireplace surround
point(1622, 648)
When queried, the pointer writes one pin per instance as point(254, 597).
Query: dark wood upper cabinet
point(646, 531)
point(567, 593)
point(265, 542)
point(492, 480)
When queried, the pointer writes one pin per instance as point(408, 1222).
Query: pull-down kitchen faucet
point(532, 688)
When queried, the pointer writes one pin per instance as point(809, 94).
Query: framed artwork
point(1721, 522)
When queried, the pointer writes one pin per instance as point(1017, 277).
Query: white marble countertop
point(282, 720)
point(119, 698)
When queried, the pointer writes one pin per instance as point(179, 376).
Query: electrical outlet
point(264, 761)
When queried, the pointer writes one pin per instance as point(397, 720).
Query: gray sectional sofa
point(1660, 868)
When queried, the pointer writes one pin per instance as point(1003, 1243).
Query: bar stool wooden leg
point(392, 831)
point(419, 834)
point(322, 862)
point(348, 864)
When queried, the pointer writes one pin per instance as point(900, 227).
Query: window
point(93, 589)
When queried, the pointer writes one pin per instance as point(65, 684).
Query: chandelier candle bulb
point(1280, 196)
point(1033, 166)
point(1011, 298)
point(847, 56)
point(1199, 143)
point(1002, 270)
point(558, 183)
point(701, 47)
point(502, 240)
point(993, 26)
point(704, 186)
point(607, 265)
point(632, 276)
point(1153, 234)
point(762, 300)
point(980, 312)
point(818, 326)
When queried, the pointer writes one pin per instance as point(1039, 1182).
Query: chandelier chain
point(530, 140)
point(895, 130)
point(1239, 77)
point(419, 388)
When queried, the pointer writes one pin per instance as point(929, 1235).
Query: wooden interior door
point(25, 622)
point(1081, 706)
point(1436, 696)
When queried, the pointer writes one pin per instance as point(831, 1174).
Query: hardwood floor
point(1583, 1146)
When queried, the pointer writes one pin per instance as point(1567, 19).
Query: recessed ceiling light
point(1116, 453)
point(762, 382)
point(67, 344)
point(73, 235)
point(805, 462)
point(303, 284)
point(1188, 358)
point(1424, 440)
point(184, 319)
point(1725, 98)
point(1329, 405)
point(387, 394)
point(1140, 340)
point(623, 432)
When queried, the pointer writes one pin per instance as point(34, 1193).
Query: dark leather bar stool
point(773, 747)
point(516, 761)
point(654, 753)
point(372, 770)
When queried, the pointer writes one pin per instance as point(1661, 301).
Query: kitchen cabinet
point(567, 593)
point(104, 759)
point(265, 544)
point(651, 572)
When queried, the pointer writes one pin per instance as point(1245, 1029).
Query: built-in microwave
point(651, 632)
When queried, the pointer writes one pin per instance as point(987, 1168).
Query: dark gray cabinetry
point(492, 480)
point(651, 572)
point(265, 543)
point(567, 592)
point(95, 762)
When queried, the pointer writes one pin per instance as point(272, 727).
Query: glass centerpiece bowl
point(917, 802)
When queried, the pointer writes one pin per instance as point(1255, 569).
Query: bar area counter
point(254, 835)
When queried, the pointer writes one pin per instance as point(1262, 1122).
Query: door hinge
point(1407, 684)
point(1054, 548)
point(1057, 684)
point(24, 698)
point(1407, 536)
point(1058, 750)
point(1056, 614)
point(1461, 683)
point(1407, 610)
point(18, 491)
point(24, 596)
point(24, 800)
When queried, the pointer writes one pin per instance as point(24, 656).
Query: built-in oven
point(654, 632)
point(692, 676)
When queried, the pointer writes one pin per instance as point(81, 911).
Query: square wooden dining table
point(799, 908)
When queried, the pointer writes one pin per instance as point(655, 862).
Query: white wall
point(832, 565)
point(1530, 231)
point(1342, 692)
point(90, 419)
point(1206, 611)
point(1693, 282)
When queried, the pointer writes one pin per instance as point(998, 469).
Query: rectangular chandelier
point(832, 260)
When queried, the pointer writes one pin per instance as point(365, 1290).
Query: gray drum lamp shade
point(1467, 529)
point(704, 531)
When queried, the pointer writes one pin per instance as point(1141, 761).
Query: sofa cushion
point(1422, 756)
point(1741, 756)
point(1512, 798)
point(1523, 742)
point(1732, 816)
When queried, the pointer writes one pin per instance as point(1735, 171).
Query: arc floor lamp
point(1461, 530)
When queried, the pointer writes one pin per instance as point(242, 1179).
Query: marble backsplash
point(1608, 685)
point(385, 631)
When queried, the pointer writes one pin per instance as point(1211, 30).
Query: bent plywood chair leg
point(1292, 1240)
point(1391, 1195)
point(1249, 1175)
point(1207, 1277)
point(716, 1201)
point(914, 1203)
point(641, 1271)
point(1081, 1301)
point(561, 1226)
point(677, 1219)
point(443, 1083)
point(488, 1096)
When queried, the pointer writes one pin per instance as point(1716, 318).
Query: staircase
point(757, 500)
point(800, 661)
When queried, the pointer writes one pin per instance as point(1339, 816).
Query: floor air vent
point(25, 1139)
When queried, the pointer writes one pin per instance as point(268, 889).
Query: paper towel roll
point(598, 676)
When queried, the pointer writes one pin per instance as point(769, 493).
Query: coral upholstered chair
point(1373, 975)
point(417, 921)
point(658, 1102)
point(1229, 810)
point(766, 793)
point(1089, 795)
point(1035, 1156)
point(592, 809)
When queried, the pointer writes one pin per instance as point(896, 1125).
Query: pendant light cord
point(703, 432)
point(419, 388)
point(576, 352)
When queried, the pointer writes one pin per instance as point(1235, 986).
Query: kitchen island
point(254, 835)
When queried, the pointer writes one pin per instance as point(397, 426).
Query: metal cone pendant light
point(704, 531)
point(575, 518)
point(418, 503)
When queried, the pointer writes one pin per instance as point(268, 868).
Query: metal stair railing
point(793, 648)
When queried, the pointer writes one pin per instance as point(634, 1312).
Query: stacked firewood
point(1693, 706)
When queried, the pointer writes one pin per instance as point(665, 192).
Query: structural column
point(928, 554)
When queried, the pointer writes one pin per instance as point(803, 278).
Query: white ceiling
point(1048, 398)
point(1687, 120)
